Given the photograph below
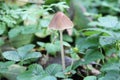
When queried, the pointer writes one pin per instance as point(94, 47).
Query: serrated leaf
point(35, 68)
point(13, 71)
point(14, 32)
point(51, 48)
point(90, 78)
point(22, 53)
point(100, 30)
point(4, 66)
point(10, 70)
point(106, 40)
point(108, 21)
point(11, 55)
point(32, 55)
point(111, 67)
point(49, 78)
point(34, 72)
point(90, 42)
point(112, 75)
point(21, 40)
point(53, 69)
point(29, 29)
point(26, 48)
point(110, 51)
point(93, 55)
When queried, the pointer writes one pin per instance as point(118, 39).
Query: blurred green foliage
point(95, 40)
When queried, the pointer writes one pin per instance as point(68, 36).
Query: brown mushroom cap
point(60, 22)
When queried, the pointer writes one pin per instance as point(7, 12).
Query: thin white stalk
point(62, 50)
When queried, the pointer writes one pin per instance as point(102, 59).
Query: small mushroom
point(61, 22)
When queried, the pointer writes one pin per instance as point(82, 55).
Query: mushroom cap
point(60, 22)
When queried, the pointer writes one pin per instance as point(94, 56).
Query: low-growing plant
point(101, 44)
point(10, 70)
point(92, 51)
point(22, 54)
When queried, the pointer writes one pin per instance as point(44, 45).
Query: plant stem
point(62, 50)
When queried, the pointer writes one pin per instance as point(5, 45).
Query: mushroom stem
point(62, 49)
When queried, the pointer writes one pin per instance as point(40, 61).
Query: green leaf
point(106, 40)
point(111, 67)
point(21, 40)
point(32, 55)
point(63, 73)
point(89, 42)
point(101, 78)
point(2, 28)
point(108, 21)
point(13, 71)
point(11, 55)
point(26, 48)
point(66, 44)
point(112, 75)
point(74, 56)
point(67, 38)
point(36, 69)
point(90, 78)
point(25, 52)
point(93, 40)
point(42, 33)
point(78, 63)
point(60, 75)
point(14, 32)
point(34, 72)
point(10, 70)
point(4, 66)
point(22, 53)
point(101, 30)
point(22, 30)
point(49, 78)
point(60, 5)
point(57, 44)
point(44, 22)
point(51, 48)
point(29, 29)
point(42, 44)
point(53, 69)
point(92, 55)
point(9, 20)
point(110, 51)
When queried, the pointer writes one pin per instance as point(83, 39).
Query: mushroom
point(61, 22)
